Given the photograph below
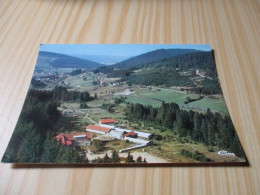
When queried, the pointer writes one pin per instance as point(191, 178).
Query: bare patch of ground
point(223, 158)
point(149, 157)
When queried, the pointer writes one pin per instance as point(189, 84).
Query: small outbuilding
point(107, 121)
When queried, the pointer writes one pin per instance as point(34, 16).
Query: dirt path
point(149, 157)
point(91, 120)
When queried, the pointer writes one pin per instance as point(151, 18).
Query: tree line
point(209, 128)
point(60, 93)
point(209, 87)
point(116, 159)
point(163, 76)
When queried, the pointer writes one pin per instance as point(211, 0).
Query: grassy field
point(144, 100)
point(117, 115)
point(100, 101)
point(212, 104)
point(119, 144)
point(78, 80)
point(148, 97)
point(155, 98)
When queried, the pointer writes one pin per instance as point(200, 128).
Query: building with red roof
point(130, 134)
point(98, 129)
point(107, 121)
point(76, 139)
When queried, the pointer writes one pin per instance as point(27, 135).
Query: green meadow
point(149, 97)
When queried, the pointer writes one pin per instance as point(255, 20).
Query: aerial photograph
point(125, 104)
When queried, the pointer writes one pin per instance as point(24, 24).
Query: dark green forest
point(210, 129)
point(153, 56)
point(61, 93)
point(159, 77)
point(33, 139)
point(200, 60)
point(209, 87)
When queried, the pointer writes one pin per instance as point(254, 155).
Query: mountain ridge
point(58, 60)
point(152, 56)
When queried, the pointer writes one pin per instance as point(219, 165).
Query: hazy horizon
point(117, 50)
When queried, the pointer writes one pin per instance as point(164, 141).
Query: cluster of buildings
point(76, 139)
point(106, 127)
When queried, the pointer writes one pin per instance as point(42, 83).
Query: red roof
point(104, 121)
point(66, 139)
point(98, 128)
point(129, 134)
point(68, 143)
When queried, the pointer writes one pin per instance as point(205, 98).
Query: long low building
point(139, 133)
point(133, 148)
point(108, 126)
point(98, 129)
point(139, 141)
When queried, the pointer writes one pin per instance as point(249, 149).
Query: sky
point(115, 49)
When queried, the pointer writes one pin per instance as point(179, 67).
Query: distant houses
point(76, 139)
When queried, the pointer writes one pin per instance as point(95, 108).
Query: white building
point(139, 141)
point(116, 134)
point(139, 133)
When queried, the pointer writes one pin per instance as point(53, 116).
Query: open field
point(119, 144)
point(145, 96)
point(101, 100)
point(149, 97)
point(77, 81)
point(212, 104)
point(144, 101)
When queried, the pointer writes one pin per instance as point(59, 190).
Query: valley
point(173, 97)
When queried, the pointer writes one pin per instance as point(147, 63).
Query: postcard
point(125, 105)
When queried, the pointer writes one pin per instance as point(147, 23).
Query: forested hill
point(153, 56)
point(57, 60)
point(204, 61)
